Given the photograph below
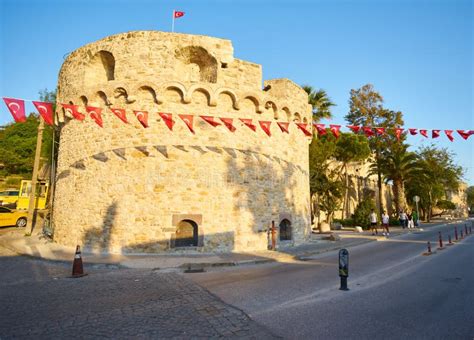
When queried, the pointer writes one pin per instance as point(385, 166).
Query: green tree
point(320, 102)
point(366, 109)
point(350, 148)
point(439, 174)
point(398, 165)
point(18, 142)
point(470, 199)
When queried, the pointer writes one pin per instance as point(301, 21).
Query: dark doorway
point(285, 230)
point(186, 234)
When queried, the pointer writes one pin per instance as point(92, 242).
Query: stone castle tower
point(126, 188)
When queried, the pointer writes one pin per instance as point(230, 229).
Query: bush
point(394, 221)
point(348, 222)
point(362, 212)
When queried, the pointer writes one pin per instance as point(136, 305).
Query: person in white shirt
point(373, 222)
point(385, 222)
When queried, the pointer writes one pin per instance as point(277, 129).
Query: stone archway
point(186, 234)
point(285, 230)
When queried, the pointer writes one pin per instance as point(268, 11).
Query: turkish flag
point(121, 114)
point(449, 134)
point(210, 120)
point(435, 134)
point(424, 133)
point(335, 130)
point(265, 125)
point(368, 131)
point(46, 111)
point(321, 128)
point(228, 123)
point(413, 131)
point(177, 14)
point(283, 126)
point(142, 117)
point(354, 128)
point(303, 127)
point(398, 132)
point(96, 114)
point(380, 130)
point(464, 134)
point(168, 119)
point(249, 123)
point(72, 110)
point(16, 108)
point(188, 120)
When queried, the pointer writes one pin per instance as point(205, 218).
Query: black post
point(343, 268)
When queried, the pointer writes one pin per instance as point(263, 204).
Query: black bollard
point(343, 268)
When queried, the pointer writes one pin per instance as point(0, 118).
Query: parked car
point(9, 197)
point(10, 217)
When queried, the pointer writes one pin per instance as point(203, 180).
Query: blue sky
point(417, 54)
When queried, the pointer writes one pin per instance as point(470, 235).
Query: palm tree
point(320, 102)
point(398, 165)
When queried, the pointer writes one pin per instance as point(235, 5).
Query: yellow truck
point(42, 188)
point(9, 197)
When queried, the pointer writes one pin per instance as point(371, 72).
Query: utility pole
point(34, 179)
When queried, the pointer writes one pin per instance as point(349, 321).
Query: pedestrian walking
point(385, 223)
point(402, 216)
point(415, 219)
point(411, 225)
point(373, 222)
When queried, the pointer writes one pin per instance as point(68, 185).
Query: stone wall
point(124, 188)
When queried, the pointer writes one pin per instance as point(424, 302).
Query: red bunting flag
point(335, 130)
point(96, 114)
point(46, 111)
point(380, 130)
point(424, 133)
point(168, 119)
point(464, 134)
point(321, 128)
point(228, 122)
point(188, 120)
point(142, 117)
point(413, 131)
point(303, 127)
point(283, 126)
point(121, 114)
point(449, 134)
point(16, 108)
point(210, 120)
point(354, 128)
point(72, 110)
point(249, 123)
point(435, 134)
point(178, 14)
point(398, 133)
point(265, 125)
point(368, 131)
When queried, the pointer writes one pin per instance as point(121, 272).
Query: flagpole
point(172, 23)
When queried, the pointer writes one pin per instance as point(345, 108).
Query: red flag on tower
point(283, 126)
point(435, 133)
point(413, 131)
point(398, 133)
point(16, 108)
point(210, 120)
point(46, 111)
point(142, 117)
point(249, 123)
point(188, 120)
point(72, 110)
point(424, 133)
point(265, 125)
point(121, 114)
point(178, 14)
point(96, 114)
point(449, 134)
point(464, 134)
point(354, 128)
point(320, 128)
point(168, 119)
point(302, 127)
point(228, 122)
point(335, 130)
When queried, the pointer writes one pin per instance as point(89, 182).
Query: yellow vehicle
point(42, 188)
point(9, 197)
point(9, 217)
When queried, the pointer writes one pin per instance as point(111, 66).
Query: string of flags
point(45, 109)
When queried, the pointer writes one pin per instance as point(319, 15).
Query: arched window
point(101, 68)
point(285, 230)
point(186, 234)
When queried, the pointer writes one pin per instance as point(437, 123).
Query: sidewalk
point(37, 246)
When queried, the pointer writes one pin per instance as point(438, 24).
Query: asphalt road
point(395, 292)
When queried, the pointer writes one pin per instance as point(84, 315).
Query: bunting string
point(45, 109)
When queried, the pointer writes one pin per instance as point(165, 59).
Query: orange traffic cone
point(77, 269)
